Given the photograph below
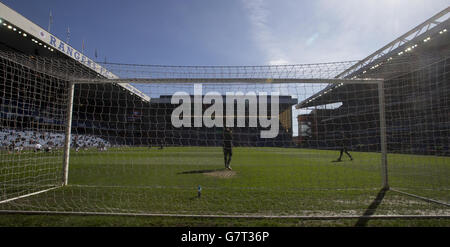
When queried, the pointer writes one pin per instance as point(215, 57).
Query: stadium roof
point(395, 58)
point(19, 33)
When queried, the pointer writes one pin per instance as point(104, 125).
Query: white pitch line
point(305, 217)
point(27, 195)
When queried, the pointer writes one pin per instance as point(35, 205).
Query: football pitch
point(265, 186)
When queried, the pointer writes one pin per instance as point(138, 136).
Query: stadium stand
point(28, 140)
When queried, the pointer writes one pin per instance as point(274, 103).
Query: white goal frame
point(379, 82)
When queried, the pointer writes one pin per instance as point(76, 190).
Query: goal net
point(287, 140)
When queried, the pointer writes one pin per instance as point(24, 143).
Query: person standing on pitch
point(344, 142)
point(227, 147)
point(199, 191)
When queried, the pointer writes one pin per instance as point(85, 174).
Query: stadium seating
point(28, 139)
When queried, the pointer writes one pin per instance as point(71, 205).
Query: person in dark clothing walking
point(344, 142)
point(227, 147)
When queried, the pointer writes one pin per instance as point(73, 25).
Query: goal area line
point(217, 216)
point(30, 194)
point(420, 197)
point(219, 188)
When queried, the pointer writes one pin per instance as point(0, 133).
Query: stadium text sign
point(78, 56)
point(67, 49)
point(256, 105)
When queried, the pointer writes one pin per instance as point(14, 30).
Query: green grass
point(266, 181)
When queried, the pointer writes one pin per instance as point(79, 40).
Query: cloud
point(311, 39)
point(278, 62)
point(258, 15)
point(291, 31)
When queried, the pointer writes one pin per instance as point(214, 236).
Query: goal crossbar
point(227, 80)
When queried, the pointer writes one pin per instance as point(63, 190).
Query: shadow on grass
point(371, 209)
point(201, 171)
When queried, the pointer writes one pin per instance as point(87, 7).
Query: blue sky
point(229, 32)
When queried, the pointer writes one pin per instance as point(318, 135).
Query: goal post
point(68, 133)
point(383, 137)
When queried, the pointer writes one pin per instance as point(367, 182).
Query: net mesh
point(128, 156)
